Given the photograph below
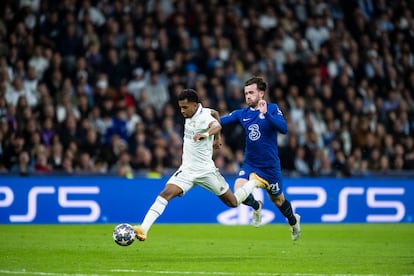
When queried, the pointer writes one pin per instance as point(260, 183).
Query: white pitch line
point(152, 272)
point(238, 273)
point(24, 272)
point(180, 272)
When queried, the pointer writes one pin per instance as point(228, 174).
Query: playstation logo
point(243, 214)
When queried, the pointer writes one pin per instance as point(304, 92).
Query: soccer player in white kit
point(197, 167)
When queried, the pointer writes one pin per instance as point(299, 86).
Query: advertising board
point(112, 200)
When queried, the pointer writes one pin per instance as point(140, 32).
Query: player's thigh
point(274, 177)
point(271, 175)
point(214, 182)
point(182, 179)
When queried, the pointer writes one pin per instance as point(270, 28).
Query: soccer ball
point(124, 234)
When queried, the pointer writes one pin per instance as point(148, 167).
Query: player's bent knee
point(170, 191)
point(232, 204)
point(229, 200)
point(277, 200)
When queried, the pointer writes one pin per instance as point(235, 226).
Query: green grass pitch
point(84, 250)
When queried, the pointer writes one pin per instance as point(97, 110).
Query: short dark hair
point(189, 95)
point(260, 82)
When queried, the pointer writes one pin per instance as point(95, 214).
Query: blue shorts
point(272, 175)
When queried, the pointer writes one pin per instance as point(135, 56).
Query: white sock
point(243, 192)
point(156, 210)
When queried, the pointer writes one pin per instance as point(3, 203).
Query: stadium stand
point(90, 86)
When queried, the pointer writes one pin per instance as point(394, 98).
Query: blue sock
point(286, 210)
point(250, 201)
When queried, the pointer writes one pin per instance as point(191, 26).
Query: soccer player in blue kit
point(262, 121)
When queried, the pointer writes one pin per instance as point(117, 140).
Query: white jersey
point(198, 154)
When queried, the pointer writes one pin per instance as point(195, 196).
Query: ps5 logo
point(371, 199)
point(379, 206)
point(63, 194)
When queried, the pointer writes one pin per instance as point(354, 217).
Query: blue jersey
point(261, 150)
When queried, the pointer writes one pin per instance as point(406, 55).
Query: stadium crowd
point(90, 86)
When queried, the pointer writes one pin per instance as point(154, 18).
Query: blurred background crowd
point(90, 86)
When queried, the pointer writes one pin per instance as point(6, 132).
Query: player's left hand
point(262, 106)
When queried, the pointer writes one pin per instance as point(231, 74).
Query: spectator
point(118, 126)
point(142, 158)
point(301, 166)
point(70, 131)
point(13, 150)
point(41, 164)
point(408, 144)
point(114, 68)
point(93, 56)
point(287, 153)
point(17, 90)
point(49, 29)
point(132, 120)
point(56, 157)
point(39, 62)
point(84, 163)
point(326, 167)
point(92, 144)
point(123, 166)
point(157, 93)
point(122, 98)
point(95, 15)
point(137, 84)
point(47, 132)
point(67, 165)
point(70, 45)
point(23, 166)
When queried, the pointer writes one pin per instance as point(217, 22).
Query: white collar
point(199, 110)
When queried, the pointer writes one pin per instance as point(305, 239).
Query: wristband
point(206, 134)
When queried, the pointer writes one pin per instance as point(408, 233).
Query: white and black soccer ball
point(124, 234)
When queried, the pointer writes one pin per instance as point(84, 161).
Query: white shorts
point(211, 180)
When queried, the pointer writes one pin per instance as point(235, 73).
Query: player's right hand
point(262, 106)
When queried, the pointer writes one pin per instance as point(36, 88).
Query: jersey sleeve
point(231, 117)
point(276, 118)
